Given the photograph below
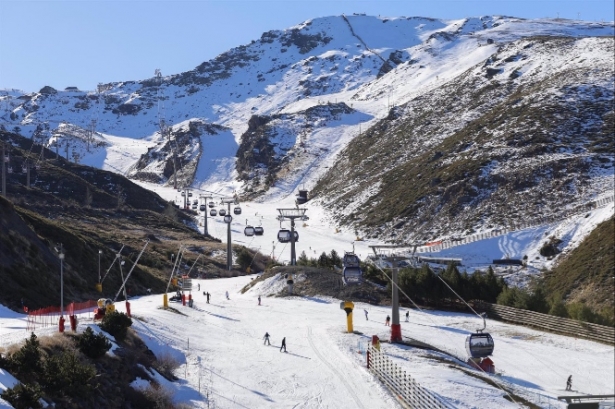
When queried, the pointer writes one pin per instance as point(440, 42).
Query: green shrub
point(65, 374)
point(244, 258)
point(93, 345)
point(558, 308)
point(23, 396)
point(27, 360)
point(116, 324)
point(580, 312)
point(550, 249)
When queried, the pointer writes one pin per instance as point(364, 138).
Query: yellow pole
point(348, 307)
point(165, 300)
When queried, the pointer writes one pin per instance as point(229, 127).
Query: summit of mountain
point(405, 128)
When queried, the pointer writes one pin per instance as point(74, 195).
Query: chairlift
point(237, 210)
point(480, 344)
point(213, 212)
point(222, 212)
point(202, 208)
point(10, 169)
point(258, 231)
point(24, 169)
point(249, 231)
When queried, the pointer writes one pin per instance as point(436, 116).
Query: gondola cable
point(447, 335)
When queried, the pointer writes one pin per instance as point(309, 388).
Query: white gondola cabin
point(480, 344)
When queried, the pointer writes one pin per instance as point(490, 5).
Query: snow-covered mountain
point(339, 104)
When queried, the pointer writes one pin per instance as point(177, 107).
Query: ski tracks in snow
point(344, 379)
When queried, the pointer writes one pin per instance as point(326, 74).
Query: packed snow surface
point(225, 364)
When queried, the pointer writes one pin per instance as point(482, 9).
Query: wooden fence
point(565, 326)
point(402, 386)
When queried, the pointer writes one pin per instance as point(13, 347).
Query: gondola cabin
point(302, 197)
point(211, 205)
point(237, 210)
point(249, 231)
point(258, 231)
point(351, 274)
point(222, 212)
point(284, 236)
point(202, 207)
point(213, 212)
point(479, 345)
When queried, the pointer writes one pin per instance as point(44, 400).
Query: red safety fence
point(49, 316)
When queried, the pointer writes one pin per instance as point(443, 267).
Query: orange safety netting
point(49, 316)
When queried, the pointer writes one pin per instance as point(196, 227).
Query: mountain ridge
point(385, 70)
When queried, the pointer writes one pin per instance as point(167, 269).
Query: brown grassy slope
point(87, 210)
point(587, 274)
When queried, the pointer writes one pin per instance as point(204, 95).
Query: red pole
point(127, 308)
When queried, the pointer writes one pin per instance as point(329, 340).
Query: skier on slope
point(408, 316)
point(266, 338)
point(227, 296)
point(259, 300)
point(283, 344)
point(388, 321)
point(366, 319)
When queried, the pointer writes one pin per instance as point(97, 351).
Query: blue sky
point(81, 43)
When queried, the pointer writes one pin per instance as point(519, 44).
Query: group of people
point(266, 338)
point(206, 294)
point(387, 322)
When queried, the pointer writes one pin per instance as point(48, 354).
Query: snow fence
point(407, 391)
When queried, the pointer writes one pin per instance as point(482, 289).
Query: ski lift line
point(117, 256)
point(430, 319)
point(536, 358)
point(193, 264)
point(174, 265)
point(253, 258)
point(131, 270)
point(458, 296)
point(392, 283)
